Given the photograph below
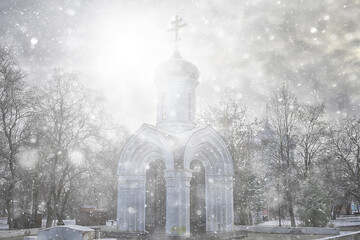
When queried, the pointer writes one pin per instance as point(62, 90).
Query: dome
point(177, 69)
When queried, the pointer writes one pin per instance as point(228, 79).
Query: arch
point(155, 197)
point(209, 147)
point(197, 198)
point(145, 145)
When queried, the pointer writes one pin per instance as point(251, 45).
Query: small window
point(190, 108)
point(163, 104)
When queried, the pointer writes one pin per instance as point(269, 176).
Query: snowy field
point(284, 223)
point(259, 236)
point(341, 221)
point(4, 226)
point(5, 233)
point(346, 221)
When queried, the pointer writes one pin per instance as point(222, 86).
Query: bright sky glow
point(244, 48)
point(121, 55)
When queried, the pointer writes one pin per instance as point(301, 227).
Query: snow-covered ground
point(346, 221)
point(4, 226)
point(17, 232)
point(5, 233)
point(284, 223)
point(342, 221)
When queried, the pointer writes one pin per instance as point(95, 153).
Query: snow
point(284, 223)
point(15, 233)
point(346, 221)
point(245, 50)
point(313, 30)
point(342, 221)
point(4, 232)
point(34, 41)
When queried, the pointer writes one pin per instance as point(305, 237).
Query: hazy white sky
point(114, 46)
point(248, 48)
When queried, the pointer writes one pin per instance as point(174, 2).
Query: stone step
point(163, 236)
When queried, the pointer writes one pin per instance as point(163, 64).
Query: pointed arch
point(144, 146)
point(209, 147)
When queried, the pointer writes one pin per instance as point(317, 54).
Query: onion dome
point(177, 69)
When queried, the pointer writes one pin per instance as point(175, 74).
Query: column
point(131, 204)
point(219, 203)
point(178, 202)
point(229, 190)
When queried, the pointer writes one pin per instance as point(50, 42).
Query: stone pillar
point(131, 204)
point(219, 203)
point(229, 203)
point(178, 202)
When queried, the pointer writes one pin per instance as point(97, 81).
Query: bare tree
point(232, 119)
point(14, 114)
point(281, 134)
point(68, 118)
point(312, 134)
point(344, 145)
point(313, 199)
point(101, 185)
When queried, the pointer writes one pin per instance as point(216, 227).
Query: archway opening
point(197, 198)
point(155, 216)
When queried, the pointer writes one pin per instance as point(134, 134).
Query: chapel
point(175, 177)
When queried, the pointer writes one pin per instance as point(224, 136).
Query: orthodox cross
point(177, 25)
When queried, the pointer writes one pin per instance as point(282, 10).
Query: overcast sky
point(245, 48)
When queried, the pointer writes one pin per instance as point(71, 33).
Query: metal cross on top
point(177, 25)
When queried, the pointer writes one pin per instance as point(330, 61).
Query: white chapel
point(175, 177)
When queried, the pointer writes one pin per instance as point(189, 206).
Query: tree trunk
point(291, 207)
point(306, 162)
point(35, 203)
point(244, 217)
point(279, 215)
point(60, 214)
point(279, 210)
point(52, 211)
point(56, 208)
point(9, 206)
point(49, 211)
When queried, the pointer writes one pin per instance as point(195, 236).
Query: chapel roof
point(177, 69)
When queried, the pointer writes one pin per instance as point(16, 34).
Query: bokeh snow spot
point(76, 158)
point(33, 41)
point(28, 158)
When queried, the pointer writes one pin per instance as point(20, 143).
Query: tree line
point(295, 161)
point(58, 151)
